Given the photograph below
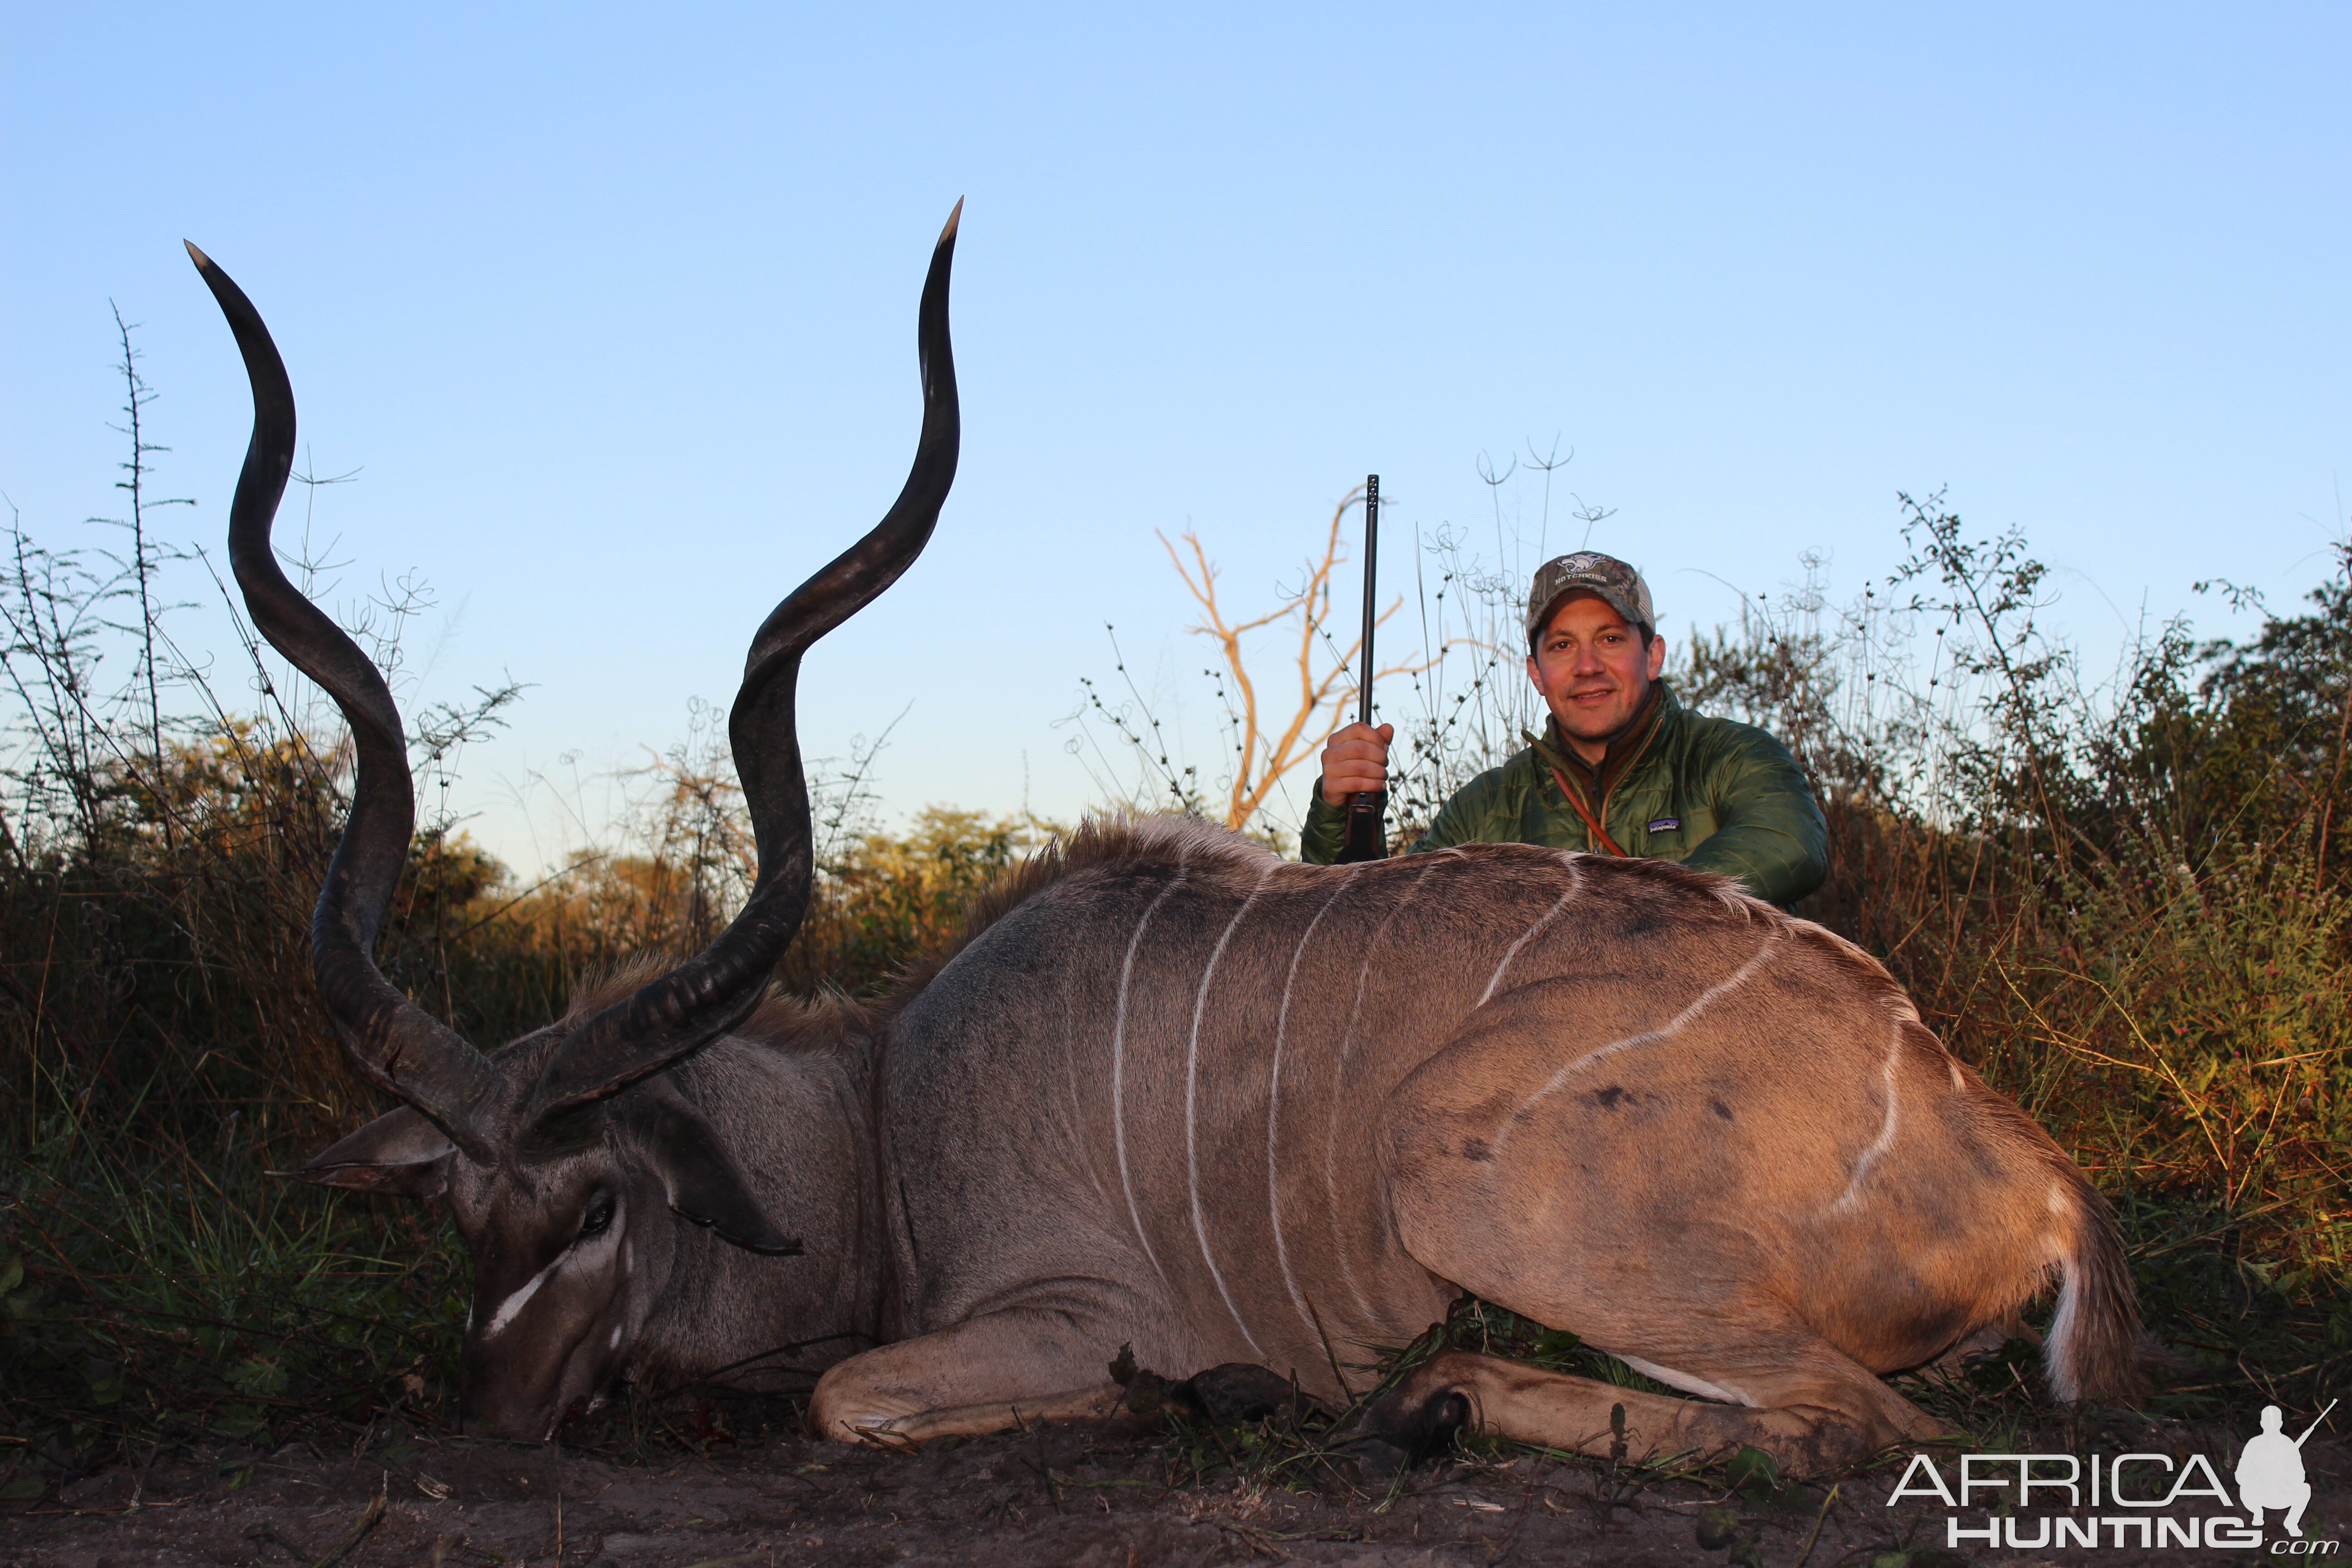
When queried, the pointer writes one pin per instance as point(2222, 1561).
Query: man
point(1622, 768)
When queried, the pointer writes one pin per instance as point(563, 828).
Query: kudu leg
point(1687, 1320)
point(1493, 1397)
point(1650, 1207)
point(981, 1376)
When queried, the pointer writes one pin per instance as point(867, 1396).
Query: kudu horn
point(705, 997)
point(397, 1045)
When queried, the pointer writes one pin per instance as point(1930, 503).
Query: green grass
point(167, 1294)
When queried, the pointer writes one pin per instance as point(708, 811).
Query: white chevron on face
point(504, 1313)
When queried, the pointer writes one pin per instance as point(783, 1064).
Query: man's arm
point(1474, 814)
point(1770, 836)
point(1355, 762)
point(1324, 831)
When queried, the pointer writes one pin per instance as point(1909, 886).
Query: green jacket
point(1712, 794)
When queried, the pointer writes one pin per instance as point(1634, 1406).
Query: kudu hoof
point(1237, 1394)
point(1402, 1433)
point(1232, 1393)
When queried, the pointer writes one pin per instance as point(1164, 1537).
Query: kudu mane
point(792, 1024)
point(782, 1021)
point(1096, 843)
point(1642, 889)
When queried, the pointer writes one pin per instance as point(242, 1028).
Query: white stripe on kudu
point(1118, 1066)
point(1274, 1106)
point(1339, 1099)
point(1192, 1084)
point(1674, 1025)
point(1073, 1114)
point(1575, 885)
point(1885, 1139)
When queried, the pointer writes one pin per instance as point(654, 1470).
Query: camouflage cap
point(1594, 572)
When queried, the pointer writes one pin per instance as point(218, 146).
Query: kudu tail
point(2096, 1351)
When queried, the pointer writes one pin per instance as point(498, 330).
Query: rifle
point(1367, 839)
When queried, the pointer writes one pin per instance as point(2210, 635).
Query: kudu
point(1173, 1092)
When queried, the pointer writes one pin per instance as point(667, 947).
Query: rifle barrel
point(1371, 563)
point(1363, 839)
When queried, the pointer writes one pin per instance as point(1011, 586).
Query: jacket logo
point(1665, 825)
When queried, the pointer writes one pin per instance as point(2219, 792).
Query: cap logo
point(1613, 581)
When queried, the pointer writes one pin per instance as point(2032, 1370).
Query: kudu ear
point(399, 1153)
point(702, 1181)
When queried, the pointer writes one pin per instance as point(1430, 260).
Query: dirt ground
point(1085, 1496)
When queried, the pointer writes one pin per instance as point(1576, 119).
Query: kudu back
point(1173, 1093)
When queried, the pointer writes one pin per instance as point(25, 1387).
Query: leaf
point(258, 1376)
point(1717, 1527)
point(239, 1421)
point(24, 1488)
point(12, 1274)
point(1554, 1343)
point(1752, 1473)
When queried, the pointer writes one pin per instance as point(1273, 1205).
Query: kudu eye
point(598, 1219)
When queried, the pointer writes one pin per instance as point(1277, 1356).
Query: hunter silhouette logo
point(2270, 1472)
point(2157, 1502)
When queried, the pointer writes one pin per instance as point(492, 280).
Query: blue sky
point(613, 310)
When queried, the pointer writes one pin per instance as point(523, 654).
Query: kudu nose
point(497, 1396)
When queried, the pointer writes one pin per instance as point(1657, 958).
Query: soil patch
point(1086, 1497)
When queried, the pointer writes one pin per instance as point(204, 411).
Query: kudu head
point(567, 1160)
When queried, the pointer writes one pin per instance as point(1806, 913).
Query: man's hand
point(1356, 761)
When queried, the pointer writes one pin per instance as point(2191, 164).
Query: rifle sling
point(1600, 834)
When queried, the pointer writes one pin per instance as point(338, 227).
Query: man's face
point(1593, 671)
